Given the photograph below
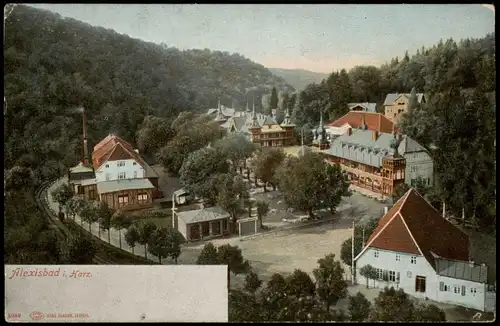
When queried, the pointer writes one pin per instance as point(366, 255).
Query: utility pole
point(352, 254)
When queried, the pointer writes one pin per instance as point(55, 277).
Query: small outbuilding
point(200, 224)
point(126, 194)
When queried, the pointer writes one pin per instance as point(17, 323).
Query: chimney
point(374, 135)
point(85, 145)
point(349, 131)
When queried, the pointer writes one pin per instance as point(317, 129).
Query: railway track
point(63, 232)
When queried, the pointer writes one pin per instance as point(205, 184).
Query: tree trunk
point(133, 250)
point(241, 170)
point(274, 186)
point(260, 221)
point(265, 189)
point(109, 235)
point(256, 182)
point(90, 228)
point(120, 237)
point(146, 251)
point(99, 229)
point(175, 259)
point(81, 221)
point(228, 278)
point(159, 259)
point(310, 213)
point(248, 175)
point(367, 286)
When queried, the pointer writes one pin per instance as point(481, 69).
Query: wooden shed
point(126, 194)
point(202, 223)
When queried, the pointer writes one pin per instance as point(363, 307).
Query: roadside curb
point(287, 228)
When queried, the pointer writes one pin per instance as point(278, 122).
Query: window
point(107, 165)
point(398, 258)
point(428, 181)
point(408, 274)
point(108, 176)
point(122, 175)
point(120, 163)
point(122, 200)
point(385, 275)
point(420, 284)
point(445, 288)
point(456, 289)
point(441, 286)
point(92, 193)
point(375, 253)
point(473, 291)
point(413, 260)
point(392, 276)
point(379, 273)
point(135, 174)
point(135, 163)
point(463, 290)
point(142, 197)
point(397, 277)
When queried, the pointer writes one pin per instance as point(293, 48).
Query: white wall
point(418, 164)
point(181, 226)
point(471, 300)
point(113, 169)
point(337, 131)
point(407, 271)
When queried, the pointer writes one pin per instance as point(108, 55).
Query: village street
point(272, 251)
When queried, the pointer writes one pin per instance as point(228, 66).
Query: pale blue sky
point(319, 38)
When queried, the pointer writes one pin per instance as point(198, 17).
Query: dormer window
point(135, 163)
point(107, 165)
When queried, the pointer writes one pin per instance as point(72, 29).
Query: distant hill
point(53, 64)
point(299, 78)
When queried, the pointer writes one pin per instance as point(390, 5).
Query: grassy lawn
point(160, 217)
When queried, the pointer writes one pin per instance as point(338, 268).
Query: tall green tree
point(359, 307)
point(232, 192)
point(330, 283)
point(146, 231)
point(132, 236)
point(262, 210)
point(266, 163)
point(105, 214)
point(208, 255)
point(300, 284)
point(62, 194)
point(120, 221)
point(392, 306)
point(274, 99)
point(233, 258)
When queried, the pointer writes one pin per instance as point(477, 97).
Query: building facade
point(396, 104)
point(258, 128)
point(379, 162)
point(201, 224)
point(415, 249)
point(366, 107)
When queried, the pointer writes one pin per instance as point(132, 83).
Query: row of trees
point(28, 239)
point(159, 241)
point(298, 297)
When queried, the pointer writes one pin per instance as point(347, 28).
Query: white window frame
point(463, 291)
point(122, 200)
point(142, 197)
point(120, 163)
point(107, 165)
point(398, 257)
point(122, 175)
point(441, 286)
point(135, 163)
point(392, 276)
point(376, 253)
point(413, 259)
point(135, 174)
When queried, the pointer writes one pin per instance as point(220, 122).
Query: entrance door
point(420, 284)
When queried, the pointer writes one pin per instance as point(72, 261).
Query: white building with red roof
point(416, 249)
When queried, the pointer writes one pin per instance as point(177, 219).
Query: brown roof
point(113, 148)
point(373, 121)
point(413, 226)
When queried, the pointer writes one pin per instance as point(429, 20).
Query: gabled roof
point(369, 107)
point(413, 226)
point(392, 97)
point(113, 148)
point(373, 121)
point(124, 184)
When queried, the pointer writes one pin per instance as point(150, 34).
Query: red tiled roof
point(113, 148)
point(413, 226)
point(373, 121)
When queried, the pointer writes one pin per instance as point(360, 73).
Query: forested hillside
point(54, 64)
point(299, 78)
point(457, 125)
